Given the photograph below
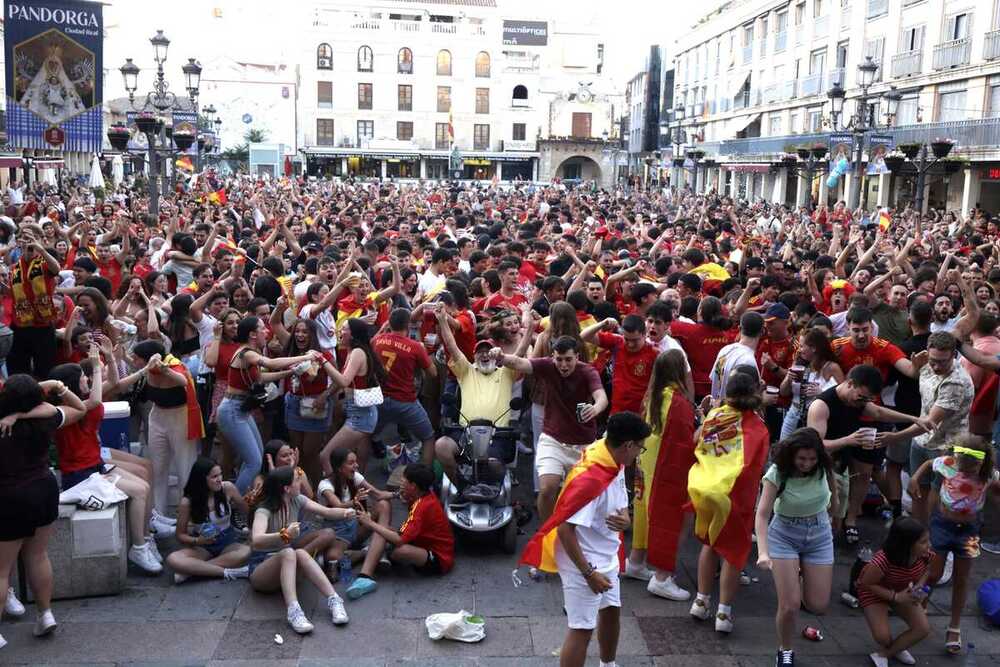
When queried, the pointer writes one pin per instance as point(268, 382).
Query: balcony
point(836, 75)
point(780, 41)
point(747, 54)
point(952, 54)
point(444, 28)
point(724, 104)
point(366, 24)
point(991, 48)
point(405, 26)
point(877, 8)
point(762, 47)
point(811, 85)
point(821, 27)
point(771, 94)
point(907, 63)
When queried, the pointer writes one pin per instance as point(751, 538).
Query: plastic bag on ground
point(460, 626)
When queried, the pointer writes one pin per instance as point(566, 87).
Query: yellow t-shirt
point(483, 396)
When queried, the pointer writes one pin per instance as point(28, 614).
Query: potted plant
point(894, 161)
point(819, 151)
point(118, 135)
point(678, 162)
point(910, 150)
point(789, 159)
point(941, 147)
point(803, 152)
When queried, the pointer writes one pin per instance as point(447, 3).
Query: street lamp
point(812, 160)
point(161, 142)
point(940, 148)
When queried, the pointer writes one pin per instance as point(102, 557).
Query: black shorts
point(874, 457)
point(432, 567)
point(27, 508)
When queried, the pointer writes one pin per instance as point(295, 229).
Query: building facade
point(751, 84)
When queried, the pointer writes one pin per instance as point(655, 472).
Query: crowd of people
point(688, 367)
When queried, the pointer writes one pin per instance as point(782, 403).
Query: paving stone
point(253, 663)
point(504, 637)
point(134, 604)
point(385, 637)
point(327, 662)
point(200, 600)
point(695, 661)
point(682, 636)
point(254, 606)
point(255, 640)
point(418, 597)
point(548, 633)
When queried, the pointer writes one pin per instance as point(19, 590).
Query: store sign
point(991, 174)
point(525, 33)
point(475, 162)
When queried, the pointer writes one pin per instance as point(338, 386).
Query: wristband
point(590, 571)
point(285, 537)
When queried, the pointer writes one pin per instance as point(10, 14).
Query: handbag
point(366, 398)
point(256, 391)
point(310, 407)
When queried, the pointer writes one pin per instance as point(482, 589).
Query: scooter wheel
point(508, 537)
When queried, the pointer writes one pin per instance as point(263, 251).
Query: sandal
point(851, 534)
point(953, 647)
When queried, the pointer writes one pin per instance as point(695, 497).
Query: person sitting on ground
point(205, 530)
point(424, 540)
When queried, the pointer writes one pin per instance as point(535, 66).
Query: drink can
point(579, 411)
point(849, 600)
point(812, 634)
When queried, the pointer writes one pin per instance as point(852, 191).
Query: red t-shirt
point(561, 397)
point(401, 357)
point(427, 527)
point(782, 352)
point(465, 336)
point(880, 353)
point(498, 301)
point(630, 377)
point(701, 343)
point(112, 270)
point(78, 444)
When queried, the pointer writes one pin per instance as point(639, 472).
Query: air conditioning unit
point(324, 63)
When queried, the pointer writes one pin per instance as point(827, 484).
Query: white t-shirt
point(345, 497)
point(598, 543)
point(668, 343)
point(428, 281)
point(839, 321)
point(944, 326)
point(729, 357)
point(326, 326)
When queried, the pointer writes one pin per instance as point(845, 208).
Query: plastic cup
point(869, 434)
point(797, 372)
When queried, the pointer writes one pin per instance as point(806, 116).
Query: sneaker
point(3, 642)
point(524, 449)
point(144, 558)
point(360, 587)
point(699, 609)
point(949, 566)
point(745, 579)
point(44, 624)
point(784, 659)
point(13, 606)
point(668, 589)
point(878, 660)
point(151, 543)
point(169, 520)
point(161, 529)
point(180, 578)
point(990, 547)
point(905, 657)
point(337, 611)
point(297, 619)
point(234, 573)
point(637, 571)
point(723, 623)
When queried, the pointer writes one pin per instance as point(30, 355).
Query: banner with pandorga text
point(54, 74)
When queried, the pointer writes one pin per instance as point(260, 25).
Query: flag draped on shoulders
point(661, 482)
point(586, 481)
point(195, 424)
point(712, 276)
point(723, 483)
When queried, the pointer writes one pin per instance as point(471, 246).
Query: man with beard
point(943, 311)
point(946, 315)
point(889, 306)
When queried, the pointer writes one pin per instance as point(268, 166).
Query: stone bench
point(89, 554)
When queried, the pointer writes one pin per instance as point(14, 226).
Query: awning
point(11, 161)
point(740, 82)
point(49, 163)
point(741, 123)
point(743, 167)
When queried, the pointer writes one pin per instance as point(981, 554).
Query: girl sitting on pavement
point(894, 578)
point(274, 563)
point(205, 530)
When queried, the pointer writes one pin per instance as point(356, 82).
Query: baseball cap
point(488, 342)
point(314, 246)
point(755, 263)
point(777, 311)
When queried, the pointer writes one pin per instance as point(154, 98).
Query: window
point(520, 130)
point(366, 61)
point(748, 35)
point(404, 61)
point(774, 125)
point(958, 26)
point(444, 63)
point(815, 120)
point(481, 137)
point(993, 98)
point(444, 98)
point(877, 8)
point(324, 132)
point(842, 55)
point(912, 38)
point(875, 47)
point(817, 8)
point(482, 100)
point(793, 123)
point(817, 61)
point(405, 96)
point(951, 102)
point(519, 97)
point(324, 94)
point(581, 125)
point(404, 130)
point(366, 130)
point(364, 96)
point(441, 138)
point(483, 65)
point(781, 18)
point(908, 109)
point(324, 57)
point(800, 13)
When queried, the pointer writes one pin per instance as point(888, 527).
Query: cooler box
point(114, 426)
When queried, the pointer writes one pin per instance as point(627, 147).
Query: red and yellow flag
point(195, 424)
point(184, 163)
point(710, 271)
point(288, 291)
point(586, 481)
point(884, 220)
point(723, 483)
point(661, 482)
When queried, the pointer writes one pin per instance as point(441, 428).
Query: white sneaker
point(44, 624)
point(151, 543)
point(144, 558)
point(524, 449)
point(723, 623)
point(180, 578)
point(161, 529)
point(990, 547)
point(638, 571)
point(878, 660)
point(297, 619)
point(3, 642)
point(234, 573)
point(905, 657)
point(169, 520)
point(668, 589)
point(337, 611)
point(13, 607)
point(699, 609)
point(949, 566)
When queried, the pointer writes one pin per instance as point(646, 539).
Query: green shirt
point(803, 496)
point(893, 324)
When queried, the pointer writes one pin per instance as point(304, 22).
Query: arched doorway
point(579, 167)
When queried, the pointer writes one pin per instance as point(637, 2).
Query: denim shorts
point(411, 415)
point(806, 538)
point(961, 539)
point(918, 455)
point(362, 420)
point(256, 558)
point(224, 539)
point(346, 530)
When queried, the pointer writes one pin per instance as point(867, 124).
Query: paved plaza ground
point(155, 622)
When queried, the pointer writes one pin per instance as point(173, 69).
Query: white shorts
point(583, 604)
point(554, 458)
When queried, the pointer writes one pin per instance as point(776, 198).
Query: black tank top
point(844, 419)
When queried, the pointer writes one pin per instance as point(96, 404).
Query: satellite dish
point(247, 118)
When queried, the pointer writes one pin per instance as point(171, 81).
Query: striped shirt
point(894, 577)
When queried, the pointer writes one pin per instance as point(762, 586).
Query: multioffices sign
point(525, 33)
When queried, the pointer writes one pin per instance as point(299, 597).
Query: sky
point(258, 29)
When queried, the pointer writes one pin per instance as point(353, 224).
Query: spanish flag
point(884, 221)
point(661, 482)
point(195, 424)
point(218, 197)
point(586, 481)
point(710, 271)
point(184, 163)
point(723, 483)
point(288, 291)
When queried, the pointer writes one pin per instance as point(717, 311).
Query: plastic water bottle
point(970, 656)
point(864, 557)
point(346, 576)
point(208, 530)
